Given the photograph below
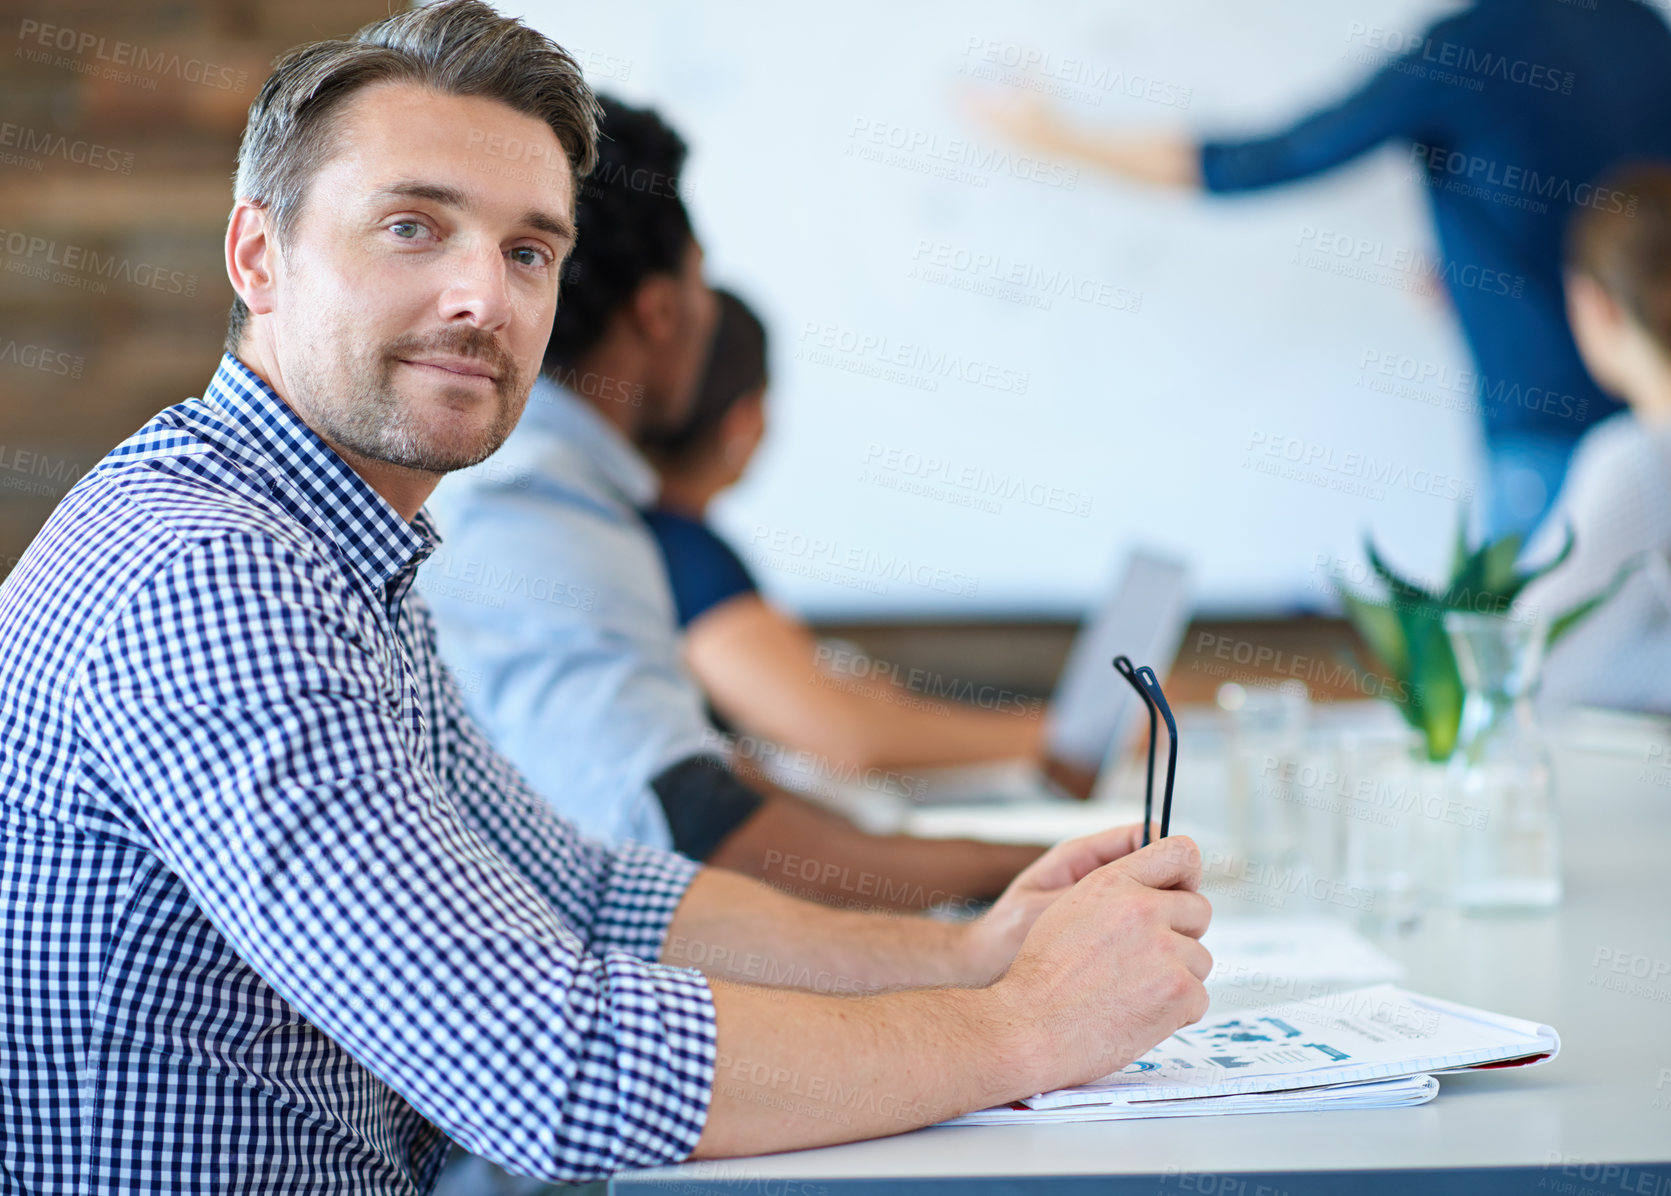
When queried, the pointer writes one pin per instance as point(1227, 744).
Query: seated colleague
point(759, 666)
point(553, 603)
point(1617, 499)
point(274, 915)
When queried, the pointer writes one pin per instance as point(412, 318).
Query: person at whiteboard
point(1508, 111)
point(1617, 497)
point(764, 672)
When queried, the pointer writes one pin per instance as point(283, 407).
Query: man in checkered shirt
point(274, 916)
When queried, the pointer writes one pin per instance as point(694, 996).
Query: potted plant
point(1493, 843)
point(1405, 626)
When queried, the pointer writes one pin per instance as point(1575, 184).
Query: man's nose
point(478, 288)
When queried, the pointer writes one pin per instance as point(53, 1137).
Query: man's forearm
point(819, 855)
point(796, 1070)
point(735, 928)
point(1109, 965)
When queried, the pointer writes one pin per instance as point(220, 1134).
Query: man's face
point(684, 354)
point(415, 293)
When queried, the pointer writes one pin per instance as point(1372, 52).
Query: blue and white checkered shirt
point(274, 916)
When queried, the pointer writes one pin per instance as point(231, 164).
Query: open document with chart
point(1374, 1046)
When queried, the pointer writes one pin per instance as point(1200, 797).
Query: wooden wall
point(119, 127)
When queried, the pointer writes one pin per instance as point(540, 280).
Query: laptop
point(1094, 716)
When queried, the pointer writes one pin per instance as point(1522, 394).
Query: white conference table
point(1596, 1120)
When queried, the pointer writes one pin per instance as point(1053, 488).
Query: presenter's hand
point(1111, 967)
point(1026, 120)
point(998, 934)
point(1161, 157)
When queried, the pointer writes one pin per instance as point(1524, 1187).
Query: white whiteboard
point(916, 276)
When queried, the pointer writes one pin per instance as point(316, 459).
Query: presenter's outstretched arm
point(1165, 159)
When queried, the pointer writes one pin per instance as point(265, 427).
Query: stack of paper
point(1368, 1047)
point(1374, 1094)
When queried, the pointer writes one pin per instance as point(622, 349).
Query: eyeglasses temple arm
point(1123, 666)
point(1151, 685)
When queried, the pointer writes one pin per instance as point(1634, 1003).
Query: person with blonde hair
point(1617, 497)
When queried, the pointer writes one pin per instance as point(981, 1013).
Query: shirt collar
point(555, 409)
point(370, 533)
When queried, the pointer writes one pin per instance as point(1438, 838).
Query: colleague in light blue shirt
point(556, 602)
point(553, 603)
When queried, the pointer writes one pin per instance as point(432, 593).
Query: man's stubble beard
point(373, 420)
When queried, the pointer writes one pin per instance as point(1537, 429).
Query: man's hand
point(1112, 966)
point(993, 940)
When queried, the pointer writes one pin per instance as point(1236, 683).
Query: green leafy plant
point(1405, 626)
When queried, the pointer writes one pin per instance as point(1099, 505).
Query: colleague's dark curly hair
point(630, 221)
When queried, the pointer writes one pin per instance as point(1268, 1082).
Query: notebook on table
point(1375, 1094)
point(1366, 1047)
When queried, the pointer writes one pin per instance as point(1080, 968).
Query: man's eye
point(525, 255)
point(406, 230)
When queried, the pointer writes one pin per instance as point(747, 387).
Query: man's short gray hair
point(457, 47)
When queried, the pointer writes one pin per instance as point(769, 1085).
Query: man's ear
point(252, 257)
point(745, 419)
point(655, 308)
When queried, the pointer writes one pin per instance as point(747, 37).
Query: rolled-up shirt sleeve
point(250, 712)
point(1398, 100)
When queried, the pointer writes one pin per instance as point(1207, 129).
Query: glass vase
point(1504, 832)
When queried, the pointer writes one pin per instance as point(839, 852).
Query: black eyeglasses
point(1143, 680)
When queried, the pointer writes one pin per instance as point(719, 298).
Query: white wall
point(1203, 331)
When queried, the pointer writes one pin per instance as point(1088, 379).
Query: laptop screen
point(1145, 617)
